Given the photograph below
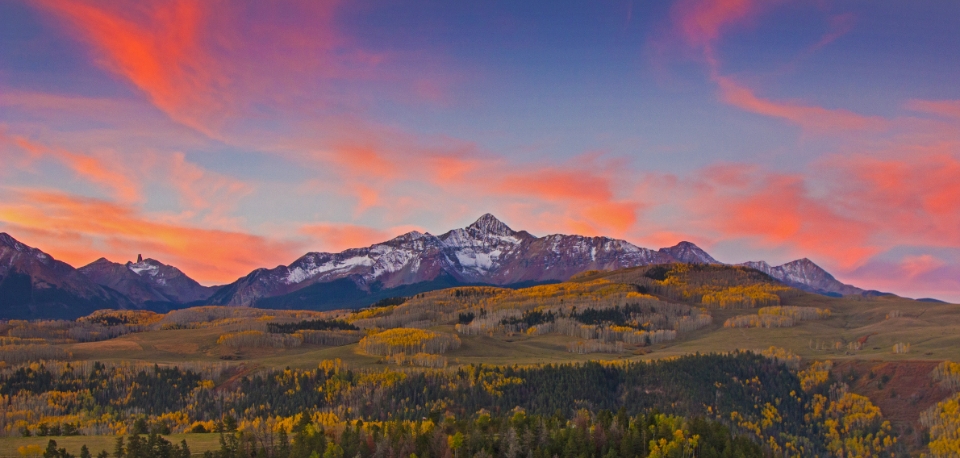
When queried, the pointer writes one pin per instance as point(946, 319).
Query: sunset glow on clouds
point(222, 137)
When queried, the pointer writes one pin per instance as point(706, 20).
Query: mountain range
point(487, 252)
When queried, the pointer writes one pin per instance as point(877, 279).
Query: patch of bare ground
point(901, 389)
point(234, 375)
point(109, 345)
point(180, 348)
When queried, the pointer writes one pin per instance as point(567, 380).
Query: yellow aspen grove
point(901, 348)
point(943, 422)
point(948, 374)
point(408, 341)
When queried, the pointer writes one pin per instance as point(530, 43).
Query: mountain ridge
point(147, 280)
point(485, 252)
point(34, 284)
point(488, 251)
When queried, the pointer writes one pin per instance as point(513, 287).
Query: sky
point(220, 137)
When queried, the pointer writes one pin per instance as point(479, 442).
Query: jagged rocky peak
point(411, 236)
point(486, 231)
point(489, 225)
point(8, 241)
point(149, 266)
point(11, 247)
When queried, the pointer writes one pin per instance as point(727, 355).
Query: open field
point(931, 329)
point(9, 446)
point(632, 318)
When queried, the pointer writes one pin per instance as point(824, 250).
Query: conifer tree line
point(496, 410)
point(311, 325)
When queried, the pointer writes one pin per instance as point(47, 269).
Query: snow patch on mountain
point(486, 251)
point(144, 267)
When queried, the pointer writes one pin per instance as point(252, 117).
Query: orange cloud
point(366, 161)
point(201, 62)
point(556, 185)
point(776, 210)
point(79, 230)
point(911, 201)
point(845, 210)
point(813, 118)
point(157, 49)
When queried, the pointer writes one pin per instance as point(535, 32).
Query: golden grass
point(198, 443)
point(931, 329)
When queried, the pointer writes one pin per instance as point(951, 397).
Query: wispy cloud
point(64, 225)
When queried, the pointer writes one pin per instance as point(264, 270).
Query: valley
point(883, 349)
point(427, 336)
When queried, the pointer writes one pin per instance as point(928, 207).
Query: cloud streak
point(102, 172)
point(61, 224)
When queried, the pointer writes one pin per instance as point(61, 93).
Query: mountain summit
point(489, 225)
point(147, 281)
point(689, 253)
point(806, 275)
point(486, 251)
point(35, 285)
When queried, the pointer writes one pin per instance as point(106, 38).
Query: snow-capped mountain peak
point(486, 251)
point(8, 241)
point(146, 280)
point(489, 225)
point(804, 274)
point(145, 267)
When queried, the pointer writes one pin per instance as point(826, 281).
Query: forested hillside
point(736, 403)
point(669, 360)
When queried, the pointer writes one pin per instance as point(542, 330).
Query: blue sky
point(224, 137)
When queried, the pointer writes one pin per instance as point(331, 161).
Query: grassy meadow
point(18, 447)
point(931, 329)
point(631, 315)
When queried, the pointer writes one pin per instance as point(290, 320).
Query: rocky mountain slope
point(689, 253)
point(147, 281)
point(488, 252)
point(35, 285)
point(485, 252)
point(804, 274)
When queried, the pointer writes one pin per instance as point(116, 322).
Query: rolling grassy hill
point(931, 329)
point(645, 313)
